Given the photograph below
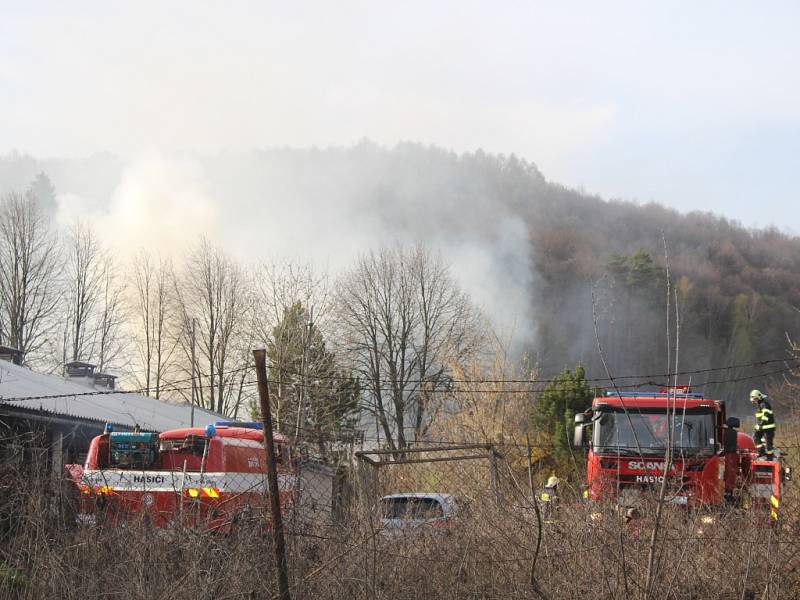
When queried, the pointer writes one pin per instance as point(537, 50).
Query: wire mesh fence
point(462, 522)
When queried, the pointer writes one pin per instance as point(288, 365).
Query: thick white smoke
point(324, 208)
point(161, 205)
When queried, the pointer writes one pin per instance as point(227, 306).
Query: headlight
point(707, 520)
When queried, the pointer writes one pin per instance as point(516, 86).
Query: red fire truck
point(711, 463)
point(208, 478)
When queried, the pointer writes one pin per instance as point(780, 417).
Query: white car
point(401, 512)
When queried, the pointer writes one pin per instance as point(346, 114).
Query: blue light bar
point(245, 425)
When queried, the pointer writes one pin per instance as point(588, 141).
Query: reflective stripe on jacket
point(548, 494)
point(765, 419)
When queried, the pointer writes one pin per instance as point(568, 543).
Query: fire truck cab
point(201, 477)
point(710, 462)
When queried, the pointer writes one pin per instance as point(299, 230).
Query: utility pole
point(301, 408)
point(194, 398)
point(279, 542)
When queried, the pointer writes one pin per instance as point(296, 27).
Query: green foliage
point(556, 406)
point(314, 397)
point(638, 274)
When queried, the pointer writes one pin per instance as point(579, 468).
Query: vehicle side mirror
point(733, 422)
point(580, 418)
point(577, 439)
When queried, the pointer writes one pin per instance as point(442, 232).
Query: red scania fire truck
point(208, 478)
point(711, 463)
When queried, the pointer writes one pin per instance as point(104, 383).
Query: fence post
point(341, 493)
point(493, 473)
point(260, 357)
point(367, 488)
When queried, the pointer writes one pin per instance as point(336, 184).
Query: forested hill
point(737, 291)
point(530, 251)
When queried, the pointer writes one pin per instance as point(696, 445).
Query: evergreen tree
point(636, 336)
point(42, 191)
point(315, 399)
point(556, 406)
point(638, 274)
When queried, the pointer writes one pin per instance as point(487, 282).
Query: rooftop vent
point(104, 380)
point(77, 369)
point(11, 355)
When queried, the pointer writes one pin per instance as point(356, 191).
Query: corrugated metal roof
point(119, 408)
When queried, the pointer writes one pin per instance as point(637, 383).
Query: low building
point(58, 416)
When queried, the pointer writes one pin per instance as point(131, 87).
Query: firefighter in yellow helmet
point(549, 498)
point(764, 433)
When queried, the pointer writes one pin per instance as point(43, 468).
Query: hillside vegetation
point(535, 253)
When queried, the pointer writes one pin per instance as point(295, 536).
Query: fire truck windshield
point(692, 432)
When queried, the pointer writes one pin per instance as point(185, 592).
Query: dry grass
point(588, 551)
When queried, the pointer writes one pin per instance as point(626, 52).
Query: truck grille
point(653, 482)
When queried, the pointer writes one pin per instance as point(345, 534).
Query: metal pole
point(191, 420)
point(304, 371)
point(260, 357)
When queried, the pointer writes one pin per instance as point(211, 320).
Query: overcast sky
point(695, 105)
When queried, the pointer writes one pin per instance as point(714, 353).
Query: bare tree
point(404, 319)
point(491, 399)
point(109, 343)
point(86, 272)
point(154, 311)
point(29, 270)
point(94, 311)
point(213, 291)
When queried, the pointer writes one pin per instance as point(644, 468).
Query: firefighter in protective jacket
point(764, 433)
point(549, 498)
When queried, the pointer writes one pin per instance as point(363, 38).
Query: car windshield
point(410, 507)
point(692, 432)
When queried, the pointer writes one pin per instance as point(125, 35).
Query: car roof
point(430, 495)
